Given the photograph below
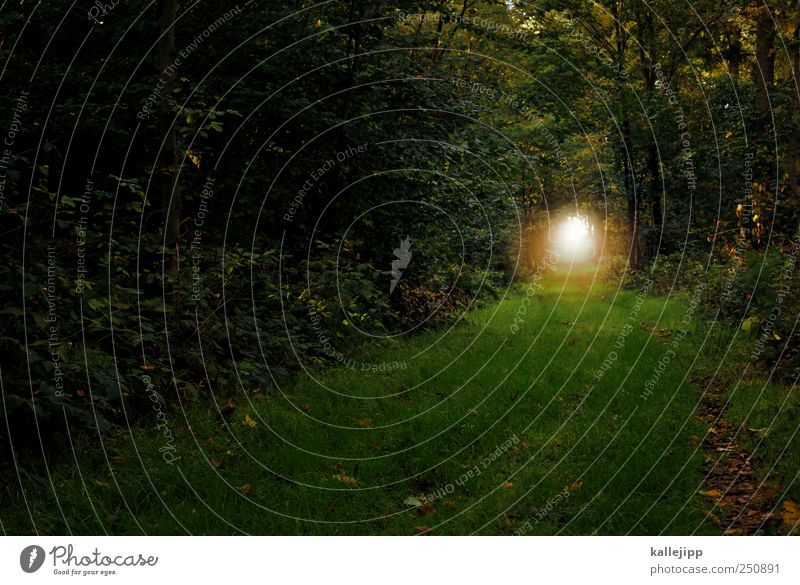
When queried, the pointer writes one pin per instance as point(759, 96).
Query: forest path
point(544, 413)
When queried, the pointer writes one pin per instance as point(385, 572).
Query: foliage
point(310, 140)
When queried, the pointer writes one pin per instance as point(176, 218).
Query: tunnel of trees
point(199, 200)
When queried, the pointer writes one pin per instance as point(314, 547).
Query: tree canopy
point(216, 196)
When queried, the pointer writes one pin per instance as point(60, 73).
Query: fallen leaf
point(508, 485)
point(366, 423)
point(412, 501)
point(575, 486)
point(426, 509)
point(763, 494)
point(791, 512)
point(711, 493)
point(101, 484)
point(305, 408)
point(249, 422)
point(246, 488)
point(215, 461)
point(421, 529)
point(344, 478)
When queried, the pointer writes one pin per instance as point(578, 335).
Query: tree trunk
point(764, 65)
point(598, 235)
point(170, 194)
point(635, 250)
point(626, 148)
point(733, 53)
point(330, 222)
point(647, 39)
point(794, 142)
point(655, 180)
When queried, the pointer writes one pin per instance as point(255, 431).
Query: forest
point(387, 267)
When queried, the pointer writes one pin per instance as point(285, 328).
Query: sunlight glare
point(574, 229)
point(574, 240)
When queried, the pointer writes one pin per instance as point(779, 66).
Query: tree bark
point(654, 170)
point(629, 182)
point(794, 141)
point(635, 250)
point(170, 194)
point(733, 53)
point(647, 40)
point(764, 65)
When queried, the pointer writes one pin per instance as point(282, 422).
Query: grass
point(766, 412)
point(558, 451)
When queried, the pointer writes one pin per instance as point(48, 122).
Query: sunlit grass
point(346, 459)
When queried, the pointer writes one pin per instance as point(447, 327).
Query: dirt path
point(737, 501)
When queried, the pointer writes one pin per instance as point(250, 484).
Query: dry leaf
point(344, 478)
point(366, 423)
point(249, 422)
point(246, 488)
point(426, 509)
point(711, 493)
point(575, 486)
point(215, 461)
point(305, 408)
point(412, 501)
point(101, 484)
point(421, 529)
point(508, 485)
point(192, 156)
point(791, 512)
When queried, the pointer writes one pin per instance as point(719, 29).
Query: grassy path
point(562, 424)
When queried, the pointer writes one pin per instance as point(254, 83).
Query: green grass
point(587, 457)
point(766, 408)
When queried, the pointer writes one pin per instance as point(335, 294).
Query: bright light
point(573, 240)
point(574, 230)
